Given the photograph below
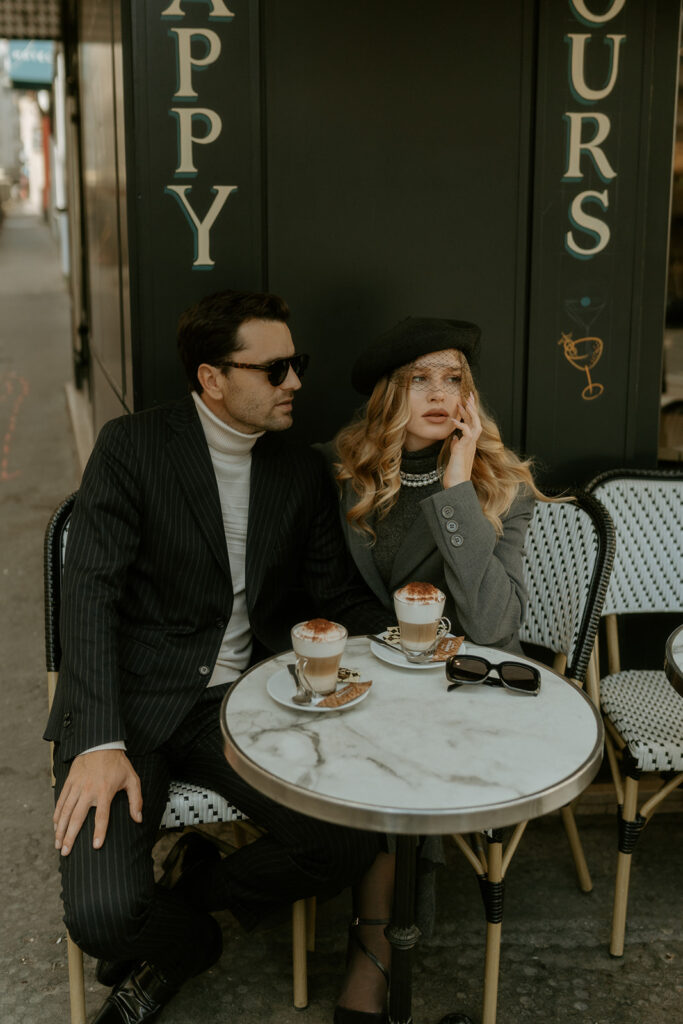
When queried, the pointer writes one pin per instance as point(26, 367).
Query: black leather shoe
point(342, 1014)
point(140, 997)
point(191, 850)
point(111, 972)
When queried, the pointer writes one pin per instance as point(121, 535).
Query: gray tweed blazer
point(452, 545)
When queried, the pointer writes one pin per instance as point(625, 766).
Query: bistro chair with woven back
point(188, 806)
point(643, 714)
point(568, 554)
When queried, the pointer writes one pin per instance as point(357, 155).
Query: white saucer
point(398, 658)
point(280, 687)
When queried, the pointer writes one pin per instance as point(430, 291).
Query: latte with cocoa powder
point(419, 608)
point(319, 645)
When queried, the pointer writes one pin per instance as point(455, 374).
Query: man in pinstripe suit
point(198, 537)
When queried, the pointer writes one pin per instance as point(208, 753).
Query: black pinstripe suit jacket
point(147, 592)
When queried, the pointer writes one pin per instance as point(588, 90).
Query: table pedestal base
point(403, 935)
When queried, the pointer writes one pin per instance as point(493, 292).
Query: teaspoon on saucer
point(384, 643)
point(302, 695)
point(420, 659)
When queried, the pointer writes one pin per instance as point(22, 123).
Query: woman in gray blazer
point(430, 493)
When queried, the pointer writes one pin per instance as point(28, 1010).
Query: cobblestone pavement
point(555, 963)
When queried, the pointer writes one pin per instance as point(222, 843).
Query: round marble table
point(413, 759)
point(673, 660)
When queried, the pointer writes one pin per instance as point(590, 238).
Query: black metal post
point(403, 933)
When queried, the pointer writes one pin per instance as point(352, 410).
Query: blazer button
point(457, 540)
point(67, 720)
point(204, 670)
point(448, 511)
point(220, 623)
point(451, 526)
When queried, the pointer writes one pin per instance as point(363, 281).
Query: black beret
point(413, 337)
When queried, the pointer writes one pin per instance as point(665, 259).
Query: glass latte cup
point(419, 608)
point(319, 645)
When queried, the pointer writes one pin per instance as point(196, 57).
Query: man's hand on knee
point(94, 779)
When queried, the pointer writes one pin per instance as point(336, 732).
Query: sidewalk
point(555, 965)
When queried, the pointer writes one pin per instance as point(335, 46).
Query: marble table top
point(673, 662)
point(413, 758)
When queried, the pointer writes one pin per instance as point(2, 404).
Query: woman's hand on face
point(463, 448)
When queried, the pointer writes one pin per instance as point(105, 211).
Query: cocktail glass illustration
point(584, 353)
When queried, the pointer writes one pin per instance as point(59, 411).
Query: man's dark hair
point(207, 331)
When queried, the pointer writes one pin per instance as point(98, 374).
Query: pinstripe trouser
point(114, 910)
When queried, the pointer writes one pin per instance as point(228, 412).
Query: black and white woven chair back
point(568, 555)
point(187, 804)
point(53, 553)
point(647, 509)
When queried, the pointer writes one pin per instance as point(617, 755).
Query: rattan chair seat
point(193, 805)
point(648, 713)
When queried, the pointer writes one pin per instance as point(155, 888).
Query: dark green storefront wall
point(370, 161)
point(606, 92)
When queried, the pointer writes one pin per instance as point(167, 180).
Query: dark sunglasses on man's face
point(463, 670)
point(278, 369)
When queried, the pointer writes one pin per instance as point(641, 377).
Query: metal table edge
point(415, 822)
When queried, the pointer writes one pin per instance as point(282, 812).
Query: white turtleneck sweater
point(231, 457)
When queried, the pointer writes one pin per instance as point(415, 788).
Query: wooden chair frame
point(303, 911)
point(566, 625)
point(624, 768)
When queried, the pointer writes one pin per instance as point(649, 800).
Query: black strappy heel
point(343, 1015)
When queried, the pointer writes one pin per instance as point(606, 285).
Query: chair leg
point(76, 981)
point(569, 822)
point(299, 972)
point(310, 924)
point(490, 867)
point(494, 913)
point(627, 838)
point(303, 926)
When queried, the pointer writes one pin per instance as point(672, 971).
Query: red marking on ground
point(13, 388)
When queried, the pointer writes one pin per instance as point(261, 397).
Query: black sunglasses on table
point(278, 369)
point(463, 670)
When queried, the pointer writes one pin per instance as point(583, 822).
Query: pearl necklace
point(420, 479)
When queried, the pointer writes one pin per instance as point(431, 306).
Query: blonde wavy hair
point(370, 449)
